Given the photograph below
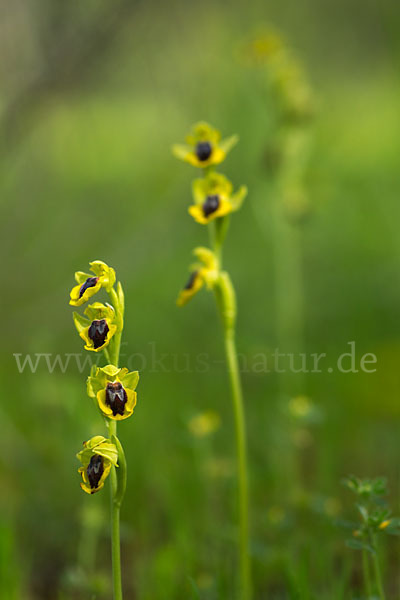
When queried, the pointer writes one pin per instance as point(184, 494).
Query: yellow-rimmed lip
point(215, 158)
point(107, 410)
point(82, 292)
point(190, 153)
point(193, 285)
point(206, 212)
point(203, 150)
point(101, 377)
point(86, 484)
point(89, 342)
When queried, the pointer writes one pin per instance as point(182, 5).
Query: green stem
point(225, 296)
point(231, 357)
point(377, 569)
point(217, 231)
point(367, 574)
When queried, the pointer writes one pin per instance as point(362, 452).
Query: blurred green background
point(93, 96)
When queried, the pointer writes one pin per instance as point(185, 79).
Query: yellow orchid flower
point(206, 271)
point(204, 146)
point(97, 457)
point(89, 285)
point(114, 391)
point(204, 424)
point(213, 198)
point(98, 329)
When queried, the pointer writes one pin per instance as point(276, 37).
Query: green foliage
point(375, 518)
point(372, 508)
point(368, 489)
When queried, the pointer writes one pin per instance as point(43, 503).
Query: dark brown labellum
point(210, 205)
point(98, 332)
point(90, 282)
point(203, 150)
point(116, 398)
point(191, 280)
point(95, 470)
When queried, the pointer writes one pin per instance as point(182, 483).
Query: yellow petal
point(237, 198)
point(228, 143)
point(181, 151)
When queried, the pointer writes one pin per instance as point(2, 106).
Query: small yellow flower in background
point(89, 285)
point(204, 423)
point(300, 406)
point(98, 328)
point(213, 198)
point(384, 524)
point(206, 271)
point(97, 457)
point(114, 390)
point(204, 146)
